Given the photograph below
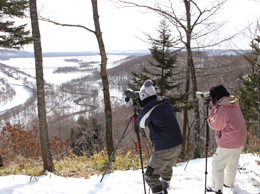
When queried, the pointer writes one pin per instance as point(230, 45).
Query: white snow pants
point(224, 159)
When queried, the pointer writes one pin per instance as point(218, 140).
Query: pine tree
point(248, 94)
point(13, 37)
point(162, 71)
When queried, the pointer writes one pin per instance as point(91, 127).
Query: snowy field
point(192, 180)
point(22, 92)
point(50, 64)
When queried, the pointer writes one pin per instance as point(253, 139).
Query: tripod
point(137, 132)
point(206, 103)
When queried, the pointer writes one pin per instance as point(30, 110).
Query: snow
point(20, 89)
point(191, 180)
point(50, 64)
point(24, 94)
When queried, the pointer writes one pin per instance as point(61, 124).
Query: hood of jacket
point(229, 101)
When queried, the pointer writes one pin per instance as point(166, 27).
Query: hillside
point(83, 95)
point(77, 104)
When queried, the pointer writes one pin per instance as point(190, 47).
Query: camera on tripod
point(204, 95)
point(134, 95)
point(131, 93)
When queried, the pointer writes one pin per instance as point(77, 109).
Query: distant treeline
point(7, 54)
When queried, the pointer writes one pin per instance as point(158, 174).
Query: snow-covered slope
point(192, 180)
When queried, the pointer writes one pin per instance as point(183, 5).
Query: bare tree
point(193, 23)
point(258, 88)
point(45, 146)
point(257, 53)
point(104, 78)
point(97, 32)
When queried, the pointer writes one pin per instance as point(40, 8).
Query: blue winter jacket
point(159, 116)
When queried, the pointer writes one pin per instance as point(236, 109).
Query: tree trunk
point(1, 161)
point(185, 115)
point(103, 73)
point(193, 75)
point(45, 146)
point(258, 118)
point(196, 102)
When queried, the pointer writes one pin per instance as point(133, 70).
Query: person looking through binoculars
point(158, 115)
point(230, 128)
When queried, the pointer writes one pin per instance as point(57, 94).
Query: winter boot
point(209, 189)
point(226, 186)
point(165, 186)
point(157, 190)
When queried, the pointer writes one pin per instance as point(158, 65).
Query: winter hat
point(147, 90)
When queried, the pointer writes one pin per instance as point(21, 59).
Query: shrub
point(17, 142)
point(253, 143)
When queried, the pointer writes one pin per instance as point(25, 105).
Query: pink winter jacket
point(229, 124)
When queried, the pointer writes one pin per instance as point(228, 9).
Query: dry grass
point(73, 166)
point(19, 159)
point(20, 151)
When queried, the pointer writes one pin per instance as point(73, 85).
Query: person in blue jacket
point(157, 113)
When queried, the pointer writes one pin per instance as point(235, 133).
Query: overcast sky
point(121, 27)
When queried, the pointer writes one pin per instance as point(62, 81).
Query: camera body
point(134, 95)
point(204, 95)
point(131, 93)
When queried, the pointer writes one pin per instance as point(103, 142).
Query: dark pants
point(160, 165)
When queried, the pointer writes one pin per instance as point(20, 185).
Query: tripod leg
point(207, 145)
point(122, 137)
point(141, 159)
point(136, 128)
point(197, 140)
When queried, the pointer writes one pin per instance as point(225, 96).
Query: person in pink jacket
point(230, 128)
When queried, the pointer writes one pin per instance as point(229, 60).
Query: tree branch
point(67, 25)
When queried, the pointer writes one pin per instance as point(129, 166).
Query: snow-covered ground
point(191, 180)
point(50, 64)
point(22, 92)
